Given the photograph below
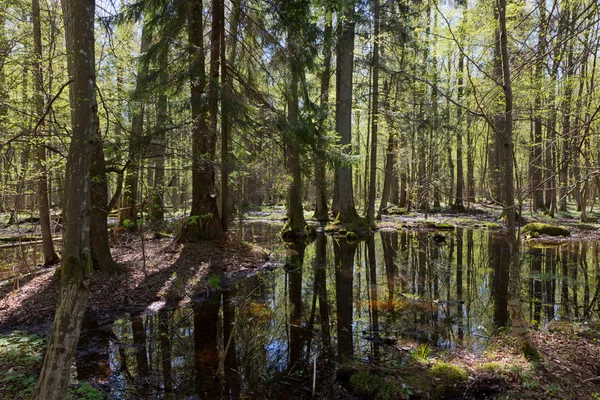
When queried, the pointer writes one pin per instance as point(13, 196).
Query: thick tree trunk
point(76, 269)
point(296, 225)
point(347, 209)
point(227, 84)
point(50, 256)
point(101, 257)
point(514, 303)
point(321, 213)
point(204, 221)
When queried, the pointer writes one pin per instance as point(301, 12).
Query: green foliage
point(128, 224)
point(21, 355)
point(214, 281)
point(421, 353)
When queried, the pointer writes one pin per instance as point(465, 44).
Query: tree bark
point(345, 65)
point(128, 211)
point(50, 256)
point(321, 213)
point(76, 269)
point(374, 118)
point(157, 209)
point(514, 302)
point(204, 221)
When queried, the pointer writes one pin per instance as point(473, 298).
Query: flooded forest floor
point(166, 275)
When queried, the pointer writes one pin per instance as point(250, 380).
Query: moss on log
point(537, 228)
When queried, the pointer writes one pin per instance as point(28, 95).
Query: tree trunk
point(76, 269)
point(296, 225)
point(514, 303)
point(227, 84)
point(374, 118)
point(460, 179)
point(537, 170)
point(128, 211)
point(157, 208)
point(50, 256)
point(345, 65)
point(321, 213)
point(204, 221)
point(101, 257)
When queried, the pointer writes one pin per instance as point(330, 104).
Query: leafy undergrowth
point(570, 369)
point(21, 356)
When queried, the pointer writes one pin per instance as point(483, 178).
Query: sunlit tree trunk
point(50, 256)
point(514, 302)
point(76, 268)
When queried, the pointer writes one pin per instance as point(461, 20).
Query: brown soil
point(569, 369)
point(174, 273)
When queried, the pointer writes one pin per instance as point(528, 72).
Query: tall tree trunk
point(296, 225)
point(50, 256)
point(390, 160)
point(101, 257)
point(537, 170)
point(227, 84)
point(76, 269)
point(460, 179)
point(128, 211)
point(157, 209)
point(321, 213)
point(345, 66)
point(514, 303)
point(374, 117)
point(204, 222)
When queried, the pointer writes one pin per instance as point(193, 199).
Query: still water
point(332, 302)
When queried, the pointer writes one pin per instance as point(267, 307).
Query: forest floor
point(167, 274)
point(569, 369)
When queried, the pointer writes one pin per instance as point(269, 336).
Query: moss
point(493, 367)
point(366, 383)
point(537, 228)
point(450, 373)
point(445, 226)
point(492, 225)
point(441, 381)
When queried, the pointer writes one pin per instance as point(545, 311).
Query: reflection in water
point(334, 301)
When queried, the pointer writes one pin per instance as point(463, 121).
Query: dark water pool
point(330, 302)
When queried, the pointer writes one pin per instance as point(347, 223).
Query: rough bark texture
point(101, 257)
point(50, 256)
point(205, 221)
point(321, 212)
point(76, 269)
point(347, 210)
point(514, 302)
